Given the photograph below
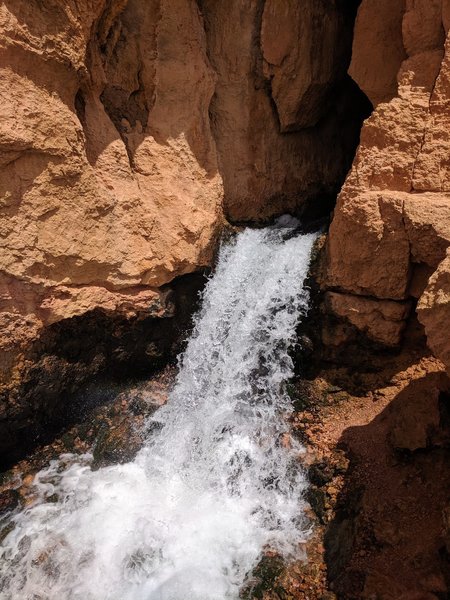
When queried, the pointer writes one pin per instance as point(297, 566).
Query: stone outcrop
point(416, 421)
point(378, 49)
point(300, 79)
point(377, 237)
point(383, 322)
point(83, 193)
point(434, 311)
point(282, 101)
point(128, 129)
point(391, 226)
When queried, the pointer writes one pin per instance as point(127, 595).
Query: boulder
point(381, 320)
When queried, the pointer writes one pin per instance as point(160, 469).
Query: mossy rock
point(264, 579)
point(320, 473)
point(317, 500)
point(114, 445)
point(300, 401)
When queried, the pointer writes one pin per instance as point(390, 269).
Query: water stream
point(213, 485)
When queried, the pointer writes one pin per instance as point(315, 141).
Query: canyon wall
point(132, 131)
point(283, 100)
point(388, 241)
point(109, 186)
point(129, 129)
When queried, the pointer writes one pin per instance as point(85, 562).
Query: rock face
point(128, 128)
point(391, 226)
point(282, 100)
point(96, 144)
point(434, 311)
point(381, 321)
point(288, 32)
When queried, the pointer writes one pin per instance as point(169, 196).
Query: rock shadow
point(389, 539)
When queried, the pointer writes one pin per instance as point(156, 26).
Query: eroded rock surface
point(282, 101)
point(391, 226)
point(109, 179)
point(434, 311)
point(128, 129)
point(381, 321)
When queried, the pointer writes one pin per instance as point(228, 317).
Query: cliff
point(128, 131)
point(132, 132)
point(391, 227)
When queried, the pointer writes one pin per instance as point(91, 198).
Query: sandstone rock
point(434, 311)
point(415, 414)
point(82, 194)
point(109, 190)
point(76, 174)
point(391, 226)
point(422, 26)
point(368, 248)
point(378, 49)
point(427, 226)
point(376, 236)
point(65, 303)
point(432, 168)
point(301, 80)
point(382, 321)
point(392, 138)
point(109, 176)
point(265, 86)
point(127, 127)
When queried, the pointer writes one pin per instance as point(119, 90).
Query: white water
point(212, 486)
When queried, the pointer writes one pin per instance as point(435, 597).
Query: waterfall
point(214, 483)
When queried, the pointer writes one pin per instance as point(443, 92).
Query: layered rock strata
point(391, 226)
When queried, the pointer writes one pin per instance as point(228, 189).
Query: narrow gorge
point(261, 189)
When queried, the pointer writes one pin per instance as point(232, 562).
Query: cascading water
point(213, 485)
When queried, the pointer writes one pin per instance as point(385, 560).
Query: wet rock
point(320, 473)
point(9, 500)
point(317, 499)
point(263, 578)
point(115, 444)
point(70, 354)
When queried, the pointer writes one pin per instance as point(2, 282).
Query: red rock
point(378, 48)
point(382, 320)
point(434, 311)
point(391, 227)
point(415, 414)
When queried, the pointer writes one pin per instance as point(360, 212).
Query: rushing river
point(213, 485)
